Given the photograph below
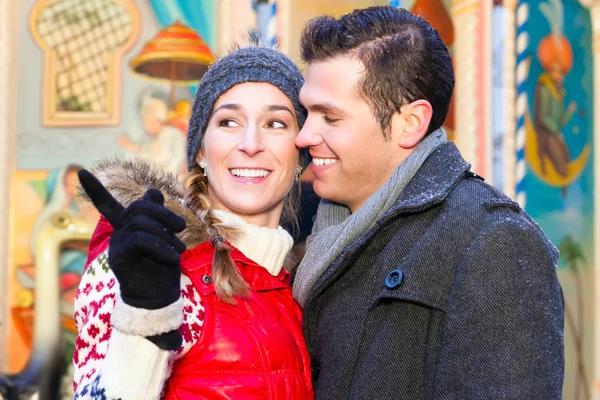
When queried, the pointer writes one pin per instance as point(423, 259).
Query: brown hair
point(226, 276)
point(405, 59)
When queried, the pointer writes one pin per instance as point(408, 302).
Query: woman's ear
point(416, 116)
point(200, 156)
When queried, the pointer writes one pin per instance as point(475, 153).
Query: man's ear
point(416, 116)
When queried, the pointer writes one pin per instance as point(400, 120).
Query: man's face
point(351, 158)
point(556, 74)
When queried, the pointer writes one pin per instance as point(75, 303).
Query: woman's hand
point(143, 251)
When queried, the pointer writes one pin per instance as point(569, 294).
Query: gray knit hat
point(248, 64)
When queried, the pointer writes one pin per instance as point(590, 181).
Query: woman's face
point(250, 152)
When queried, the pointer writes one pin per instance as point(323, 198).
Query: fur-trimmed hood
point(128, 180)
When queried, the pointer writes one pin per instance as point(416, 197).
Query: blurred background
point(82, 80)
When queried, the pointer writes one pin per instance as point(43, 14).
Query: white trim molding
point(594, 7)
point(510, 99)
point(8, 92)
point(472, 21)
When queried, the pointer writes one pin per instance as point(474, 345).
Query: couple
point(419, 282)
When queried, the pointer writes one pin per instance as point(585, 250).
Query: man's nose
point(308, 135)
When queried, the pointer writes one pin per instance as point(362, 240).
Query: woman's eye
point(276, 125)
point(228, 123)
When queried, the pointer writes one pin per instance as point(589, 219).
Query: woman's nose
point(251, 142)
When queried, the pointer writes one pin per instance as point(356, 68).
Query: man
point(420, 281)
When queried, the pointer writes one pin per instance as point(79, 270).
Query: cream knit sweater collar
point(266, 246)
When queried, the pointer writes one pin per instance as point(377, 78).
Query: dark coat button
point(207, 279)
point(315, 368)
point(394, 279)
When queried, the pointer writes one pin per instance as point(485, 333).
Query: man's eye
point(228, 123)
point(330, 121)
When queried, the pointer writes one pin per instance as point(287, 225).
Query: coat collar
point(433, 182)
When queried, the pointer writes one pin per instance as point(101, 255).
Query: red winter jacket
point(254, 349)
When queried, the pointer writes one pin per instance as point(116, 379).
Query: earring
point(203, 166)
point(298, 173)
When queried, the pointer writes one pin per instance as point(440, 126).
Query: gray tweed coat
point(453, 294)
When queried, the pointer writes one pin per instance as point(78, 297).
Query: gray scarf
point(336, 228)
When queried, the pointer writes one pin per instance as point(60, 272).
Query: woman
point(201, 308)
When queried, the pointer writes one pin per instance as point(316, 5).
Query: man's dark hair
point(404, 57)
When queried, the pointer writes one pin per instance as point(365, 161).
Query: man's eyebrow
point(277, 107)
point(325, 108)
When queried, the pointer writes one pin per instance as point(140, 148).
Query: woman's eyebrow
point(277, 107)
point(234, 107)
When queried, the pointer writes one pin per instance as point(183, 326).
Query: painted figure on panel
point(548, 153)
point(164, 143)
point(550, 114)
point(61, 195)
point(559, 181)
point(61, 201)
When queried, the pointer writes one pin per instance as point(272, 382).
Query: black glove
point(143, 252)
